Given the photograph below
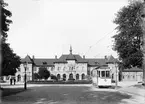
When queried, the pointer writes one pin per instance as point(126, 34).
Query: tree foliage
point(10, 61)
point(44, 73)
point(36, 76)
point(54, 77)
point(128, 39)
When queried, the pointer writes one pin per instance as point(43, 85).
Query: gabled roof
point(75, 57)
point(70, 57)
point(27, 59)
point(111, 59)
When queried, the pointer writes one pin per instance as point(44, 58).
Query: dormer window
point(44, 63)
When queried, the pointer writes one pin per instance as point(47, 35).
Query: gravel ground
point(65, 95)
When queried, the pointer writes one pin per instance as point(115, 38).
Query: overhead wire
point(98, 42)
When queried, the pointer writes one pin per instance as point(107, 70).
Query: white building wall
point(64, 68)
point(132, 76)
point(22, 72)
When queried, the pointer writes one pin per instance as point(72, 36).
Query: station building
point(67, 66)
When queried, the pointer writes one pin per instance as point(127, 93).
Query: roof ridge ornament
point(70, 49)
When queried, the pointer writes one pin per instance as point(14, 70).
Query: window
point(83, 76)
point(103, 73)
point(133, 77)
point(107, 74)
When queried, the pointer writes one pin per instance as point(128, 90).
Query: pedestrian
point(14, 81)
point(11, 81)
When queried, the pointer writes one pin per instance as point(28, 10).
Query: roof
point(63, 59)
point(134, 69)
point(111, 59)
point(27, 59)
point(75, 57)
point(70, 57)
point(96, 62)
point(41, 61)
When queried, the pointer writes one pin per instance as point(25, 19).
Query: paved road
point(66, 95)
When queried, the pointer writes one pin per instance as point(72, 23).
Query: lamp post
point(116, 83)
point(25, 76)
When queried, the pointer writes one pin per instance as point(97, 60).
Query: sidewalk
point(133, 90)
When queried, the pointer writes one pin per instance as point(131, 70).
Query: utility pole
point(116, 82)
point(143, 46)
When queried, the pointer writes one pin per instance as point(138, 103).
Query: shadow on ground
point(11, 91)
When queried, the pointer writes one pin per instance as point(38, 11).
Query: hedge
point(61, 82)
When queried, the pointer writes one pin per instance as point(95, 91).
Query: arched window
point(58, 76)
point(19, 78)
point(83, 76)
point(77, 76)
point(71, 76)
point(64, 77)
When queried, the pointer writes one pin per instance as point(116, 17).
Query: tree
point(36, 76)
point(10, 61)
point(44, 73)
point(54, 77)
point(128, 39)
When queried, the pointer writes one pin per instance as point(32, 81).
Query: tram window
point(103, 73)
point(107, 74)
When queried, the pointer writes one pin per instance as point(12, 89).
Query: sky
point(45, 28)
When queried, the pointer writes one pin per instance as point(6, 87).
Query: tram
point(102, 77)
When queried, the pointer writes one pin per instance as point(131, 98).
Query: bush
point(44, 73)
point(54, 77)
point(36, 76)
point(61, 82)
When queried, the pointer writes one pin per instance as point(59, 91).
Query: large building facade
point(68, 66)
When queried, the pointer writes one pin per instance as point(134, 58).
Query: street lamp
point(25, 84)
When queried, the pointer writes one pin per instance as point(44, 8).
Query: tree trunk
point(143, 28)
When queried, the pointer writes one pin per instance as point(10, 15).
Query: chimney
point(33, 57)
point(83, 56)
point(55, 56)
